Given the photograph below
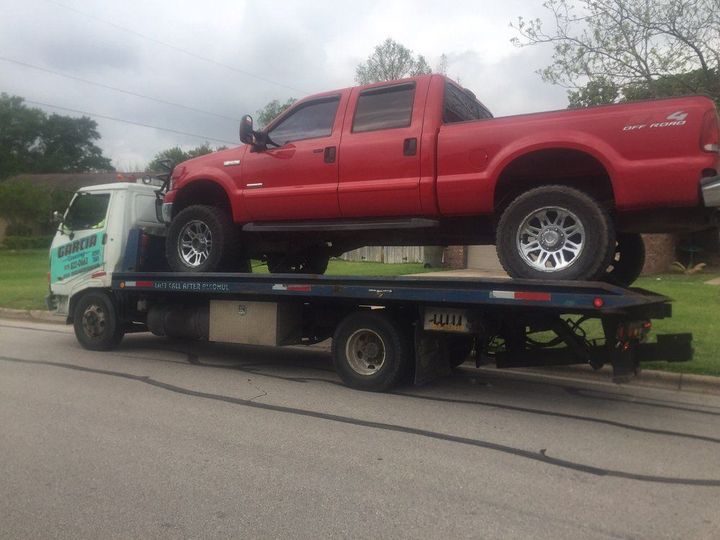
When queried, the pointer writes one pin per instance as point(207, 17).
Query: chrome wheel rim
point(551, 239)
point(195, 243)
point(94, 321)
point(365, 351)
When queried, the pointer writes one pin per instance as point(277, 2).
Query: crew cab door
point(296, 177)
point(380, 165)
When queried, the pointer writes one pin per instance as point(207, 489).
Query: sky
point(220, 59)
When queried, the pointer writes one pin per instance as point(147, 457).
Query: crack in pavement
point(506, 449)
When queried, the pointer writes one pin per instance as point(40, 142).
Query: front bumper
point(710, 189)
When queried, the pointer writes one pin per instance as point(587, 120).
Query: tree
point(616, 50)
point(33, 142)
point(178, 155)
point(389, 61)
point(271, 111)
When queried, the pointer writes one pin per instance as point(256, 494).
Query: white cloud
point(312, 46)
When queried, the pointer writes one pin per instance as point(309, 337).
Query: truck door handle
point(410, 146)
point(330, 154)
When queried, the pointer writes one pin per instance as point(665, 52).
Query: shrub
point(27, 242)
point(18, 229)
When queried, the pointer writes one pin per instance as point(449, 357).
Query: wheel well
point(555, 166)
point(202, 192)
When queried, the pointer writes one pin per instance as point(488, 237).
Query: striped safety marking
point(126, 284)
point(521, 295)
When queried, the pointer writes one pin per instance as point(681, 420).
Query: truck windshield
point(87, 211)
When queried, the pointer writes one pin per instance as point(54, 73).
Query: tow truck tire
point(96, 322)
point(555, 233)
point(202, 238)
point(628, 260)
point(370, 351)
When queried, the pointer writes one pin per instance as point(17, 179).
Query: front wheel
point(96, 323)
point(202, 239)
point(555, 232)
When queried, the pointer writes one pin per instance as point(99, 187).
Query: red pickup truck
point(420, 161)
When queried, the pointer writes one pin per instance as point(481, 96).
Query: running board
point(344, 225)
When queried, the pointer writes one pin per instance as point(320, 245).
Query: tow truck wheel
point(96, 323)
point(628, 260)
point(555, 232)
point(370, 351)
point(201, 239)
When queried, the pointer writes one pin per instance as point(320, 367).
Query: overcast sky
point(276, 50)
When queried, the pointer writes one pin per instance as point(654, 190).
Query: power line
point(132, 122)
point(115, 89)
point(176, 48)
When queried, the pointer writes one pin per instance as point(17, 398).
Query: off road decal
point(79, 256)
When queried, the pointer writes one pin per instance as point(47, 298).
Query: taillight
point(710, 134)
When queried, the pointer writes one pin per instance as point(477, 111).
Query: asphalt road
point(177, 440)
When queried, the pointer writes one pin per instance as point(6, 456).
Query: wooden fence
point(387, 254)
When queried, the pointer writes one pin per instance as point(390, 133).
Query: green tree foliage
point(617, 50)
point(272, 110)
point(32, 141)
point(389, 61)
point(178, 155)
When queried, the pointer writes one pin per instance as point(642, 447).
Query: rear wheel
point(555, 232)
point(96, 323)
point(370, 351)
point(203, 239)
point(628, 260)
point(302, 263)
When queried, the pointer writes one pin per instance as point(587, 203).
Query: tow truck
point(109, 277)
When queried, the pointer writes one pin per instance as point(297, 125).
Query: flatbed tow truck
point(104, 279)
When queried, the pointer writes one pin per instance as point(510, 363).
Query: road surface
point(166, 439)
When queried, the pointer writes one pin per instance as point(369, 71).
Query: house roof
point(73, 181)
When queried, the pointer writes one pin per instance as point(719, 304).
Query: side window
point(308, 122)
point(87, 211)
point(461, 106)
point(384, 108)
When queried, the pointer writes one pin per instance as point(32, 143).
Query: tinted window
point(87, 211)
point(461, 106)
point(308, 122)
point(384, 108)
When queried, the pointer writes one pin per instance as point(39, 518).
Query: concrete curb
point(678, 382)
point(38, 315)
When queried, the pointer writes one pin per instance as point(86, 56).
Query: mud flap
point(431, 357)
point(624, 363)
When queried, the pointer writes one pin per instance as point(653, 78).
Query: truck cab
point(92, 237)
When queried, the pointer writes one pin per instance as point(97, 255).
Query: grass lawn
point(23, 278)
point(696, 307)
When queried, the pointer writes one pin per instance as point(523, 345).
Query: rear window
point(384, 108)
point(461, 106)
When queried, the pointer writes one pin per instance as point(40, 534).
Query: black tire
point(377, 328)
point(210, 222)
point(308, 263)
point(562, 207)
point(628, 260)
point(96, 322)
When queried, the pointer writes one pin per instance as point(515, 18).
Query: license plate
point(447, 320)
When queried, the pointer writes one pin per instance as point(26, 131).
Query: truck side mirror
point(57, 217)
point(247, 134)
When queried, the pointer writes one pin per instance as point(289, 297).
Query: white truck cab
point(90, 241)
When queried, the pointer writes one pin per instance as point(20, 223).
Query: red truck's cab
point(422, 161)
